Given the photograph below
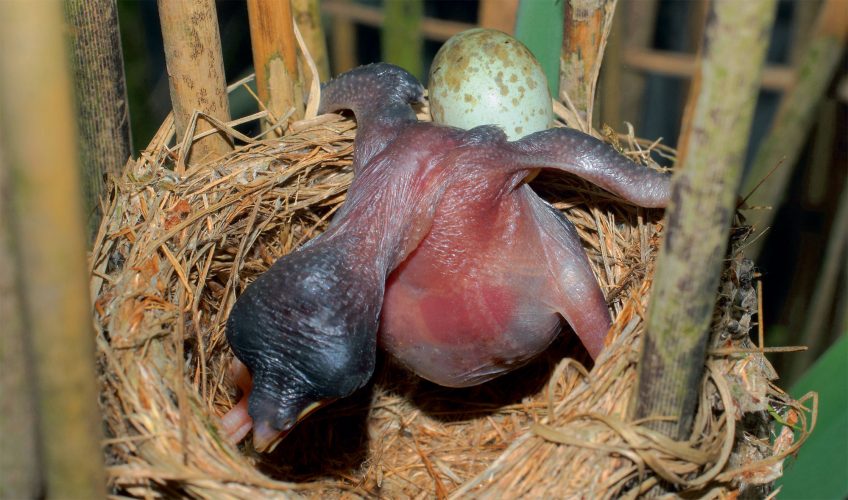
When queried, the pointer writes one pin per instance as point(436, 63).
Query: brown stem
point(587, 26)
point(275, 57)
point(45, 217)
point(195, 72)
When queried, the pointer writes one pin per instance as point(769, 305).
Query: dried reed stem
point(703, 198)
point(584, 37)
point(19, 468)
point(307, 14)
point(101, 96)
point(795, 117)
point(278, 78)
point(49, 246)
point(195, 73)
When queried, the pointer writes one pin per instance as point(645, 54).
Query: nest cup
point(175, 250)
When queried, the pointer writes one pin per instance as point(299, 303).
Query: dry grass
point(174, 252)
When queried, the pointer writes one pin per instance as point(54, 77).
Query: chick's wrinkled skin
point(440, 246)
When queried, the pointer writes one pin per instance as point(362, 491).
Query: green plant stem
point(401, 39)
point(780, 150)
point(702, 204)
point(539, 26)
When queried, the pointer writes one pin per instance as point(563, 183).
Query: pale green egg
point(482, 77)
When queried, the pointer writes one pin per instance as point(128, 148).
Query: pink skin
point(480, 273)
point(461, 311)
point(237, 423)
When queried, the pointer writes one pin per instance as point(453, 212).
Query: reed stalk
point(703, 200)
point(780, 150)
point(587, 24)
point(195, 73)
point(43, 199)
point(401, 39)
point(307, 14)
point(278, 79)
point(100, 93)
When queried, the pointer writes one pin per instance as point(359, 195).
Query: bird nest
point(174, 252)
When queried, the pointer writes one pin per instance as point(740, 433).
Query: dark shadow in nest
point(333, 442)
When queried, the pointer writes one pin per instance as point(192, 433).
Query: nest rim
point(149, 294)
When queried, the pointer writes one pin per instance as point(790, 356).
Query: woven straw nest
point(174, 251)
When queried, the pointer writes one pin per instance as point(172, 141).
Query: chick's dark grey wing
point(599, 163)
point(306, 330)
point(380, 96)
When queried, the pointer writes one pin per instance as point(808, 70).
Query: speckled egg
point(484, 76)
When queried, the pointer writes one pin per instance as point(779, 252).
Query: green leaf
point(821, 468)
point(538, 25)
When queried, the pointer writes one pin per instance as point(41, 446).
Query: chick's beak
point(266, 437)
point(269, 431)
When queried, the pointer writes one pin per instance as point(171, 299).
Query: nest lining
point(174, 251)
